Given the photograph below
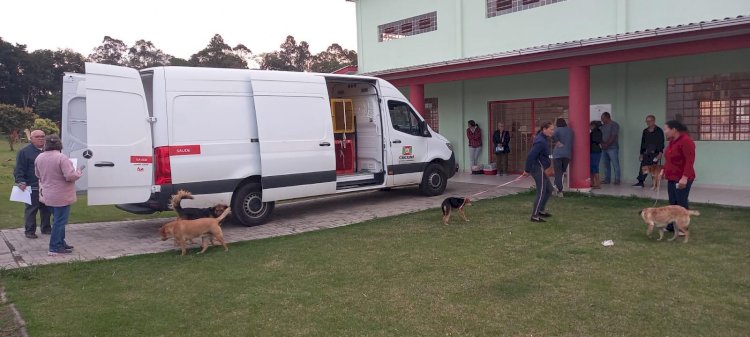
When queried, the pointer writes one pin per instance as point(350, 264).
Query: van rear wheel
point(434, 181)
point(248, 206)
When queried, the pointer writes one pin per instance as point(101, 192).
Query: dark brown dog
point(194, 213)
point(186, 230)
point(655, 172)
point(454, 203)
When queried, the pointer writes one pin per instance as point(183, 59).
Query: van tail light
point(163, 167)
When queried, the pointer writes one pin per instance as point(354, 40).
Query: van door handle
point(325, 144)
point(397, 141)
point(105, 164)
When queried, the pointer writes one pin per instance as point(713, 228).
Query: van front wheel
point(248, 206)
point(434, 181)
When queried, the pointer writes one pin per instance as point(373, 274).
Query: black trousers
point(561, 166)
point(29, 215)
point(543, 190)
point(678, 196)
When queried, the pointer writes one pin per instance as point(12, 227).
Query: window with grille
point(714, 107)
point(411, 26)
point(431, 113)
point(500, 7)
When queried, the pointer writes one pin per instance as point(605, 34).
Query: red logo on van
point(141, 159)
point(183, 150)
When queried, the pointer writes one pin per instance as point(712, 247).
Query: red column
point(578, 104)
point(416, 97)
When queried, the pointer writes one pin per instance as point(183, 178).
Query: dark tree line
point(32, 80)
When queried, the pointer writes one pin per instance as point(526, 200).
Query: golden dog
point(186, 230)
point(655, 172)
point(662, 216)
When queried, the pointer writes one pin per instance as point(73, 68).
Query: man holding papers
point(27, 179)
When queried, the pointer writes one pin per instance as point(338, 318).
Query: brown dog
point(451, 203)
point(655, 172)
point(662, 216)
point(185, 230)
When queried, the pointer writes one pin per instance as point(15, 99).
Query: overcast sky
point(179, 28)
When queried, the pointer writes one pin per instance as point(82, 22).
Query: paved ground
point(116, 239)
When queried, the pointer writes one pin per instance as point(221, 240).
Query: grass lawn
point(498, 275)
point(11, 213)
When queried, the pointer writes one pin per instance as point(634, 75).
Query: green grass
point(11, 213)
point(498, 275)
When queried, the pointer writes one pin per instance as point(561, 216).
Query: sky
point(179, 28)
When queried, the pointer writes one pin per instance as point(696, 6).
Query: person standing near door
point(610, 148)
point(57, 189)
point(652, 147)
point(563, 140)
point(501, 142)
point(595, 152)
point(25, 178)
point(474, 133)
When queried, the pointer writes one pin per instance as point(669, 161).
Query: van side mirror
point(423, 130)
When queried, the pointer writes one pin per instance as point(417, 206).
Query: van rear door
point(74, 121)
point(296, 146)
point(120, 148)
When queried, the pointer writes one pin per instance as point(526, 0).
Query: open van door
point(296, 146)
point(74, 121)
point(120, 149)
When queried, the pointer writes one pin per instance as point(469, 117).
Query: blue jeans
point(59, 220)
point(594, 159)
point(611, 158)
point(678, 196)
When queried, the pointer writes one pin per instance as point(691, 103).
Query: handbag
point(499, 149)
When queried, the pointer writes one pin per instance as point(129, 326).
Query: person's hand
point(604, 146)
point(640, 158)
point(656, 160)
point(525, 174)
point(682, 183)
point(22, 186)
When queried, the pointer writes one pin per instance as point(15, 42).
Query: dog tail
point(177, 199)
point(223, 215)
point(694, 212)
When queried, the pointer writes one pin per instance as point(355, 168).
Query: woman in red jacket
point(679, 164)
point(474, 133)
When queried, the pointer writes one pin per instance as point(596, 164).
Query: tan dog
point(662, 216)
point(655, 172)
point(185, 230)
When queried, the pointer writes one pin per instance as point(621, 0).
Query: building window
point(431, 113)
point(714, 107)
point(500, 7)
point(412, 26)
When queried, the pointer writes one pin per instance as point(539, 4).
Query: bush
point(13, 119)
point(46, 125)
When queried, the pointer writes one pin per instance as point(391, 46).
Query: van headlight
point(450, 146)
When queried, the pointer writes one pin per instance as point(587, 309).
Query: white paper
point(21, 196)
point(75, 162)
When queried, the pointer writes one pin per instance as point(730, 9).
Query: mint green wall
point(465, 31)
point(635, 90)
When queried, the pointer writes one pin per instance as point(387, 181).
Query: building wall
point(635, 90)
point(465, 31)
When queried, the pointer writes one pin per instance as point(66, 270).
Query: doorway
point(521, 119)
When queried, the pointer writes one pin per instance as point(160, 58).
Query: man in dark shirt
point(26, 178)
point(652, 147)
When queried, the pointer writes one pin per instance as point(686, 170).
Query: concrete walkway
point(116, 239)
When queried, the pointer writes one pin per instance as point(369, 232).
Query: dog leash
point(498, 186)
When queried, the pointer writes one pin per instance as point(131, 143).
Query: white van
point(247, 138)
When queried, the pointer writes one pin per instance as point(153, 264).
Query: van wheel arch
point(247, 206)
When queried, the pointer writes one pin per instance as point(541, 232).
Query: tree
point(291, 57)
point(13, 119)
point(218, 54)
point(12, 58)
point(144, 55)
point(111, 51)
point(48, 126)
point(176, 61)
point(333, 58)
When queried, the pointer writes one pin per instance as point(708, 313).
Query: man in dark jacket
point(26, 178)
point(652, 147)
